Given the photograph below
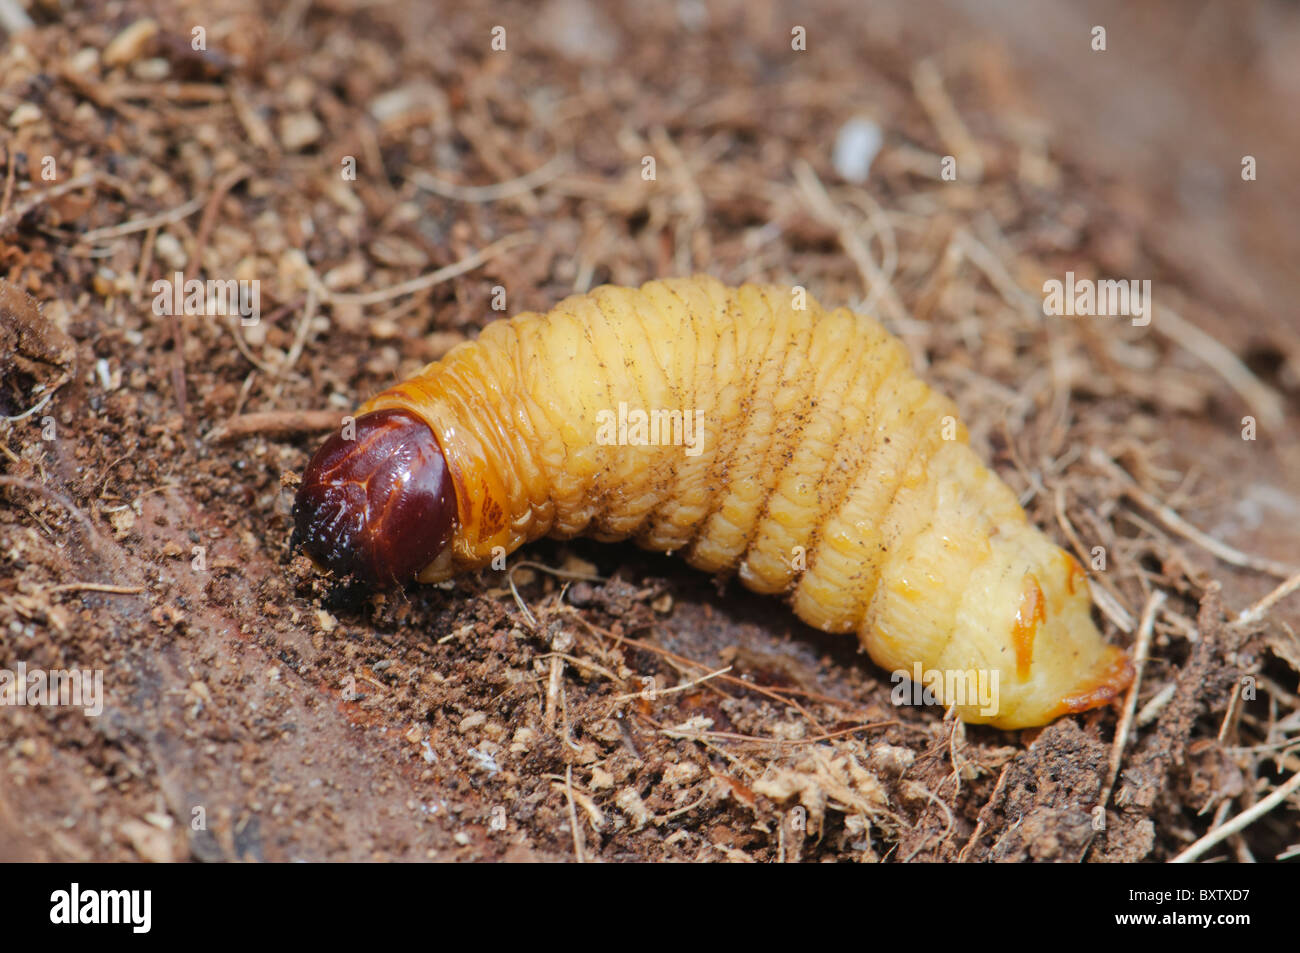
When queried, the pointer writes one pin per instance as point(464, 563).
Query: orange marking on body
point(1112, 676)
point(493, 516)
point(1032, 612)
point(1074, 571)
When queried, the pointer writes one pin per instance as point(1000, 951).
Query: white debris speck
point(131, 43)
point(168, 248)
point(299, 130)
point(694, 724)
point(693, 15)
point(629, 802)
point(84, 60)
point(25, 114)
point(484, 761)
point(579, 31)
point(856, 147)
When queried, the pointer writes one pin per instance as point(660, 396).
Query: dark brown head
point(379, 506)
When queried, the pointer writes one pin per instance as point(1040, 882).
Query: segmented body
point(827, 473)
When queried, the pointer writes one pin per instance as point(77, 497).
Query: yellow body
point(826, 472)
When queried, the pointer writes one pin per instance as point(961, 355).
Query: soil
point(597, 702)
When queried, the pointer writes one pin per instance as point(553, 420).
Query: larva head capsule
point(379, 506)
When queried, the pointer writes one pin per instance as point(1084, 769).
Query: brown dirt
point(298, 718)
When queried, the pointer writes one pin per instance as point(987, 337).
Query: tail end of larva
point(1021, 649)
point(1103, 684)
point(1062, 665)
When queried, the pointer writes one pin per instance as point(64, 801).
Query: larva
point(827, 473)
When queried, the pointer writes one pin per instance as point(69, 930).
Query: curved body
point(822, 471)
